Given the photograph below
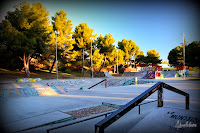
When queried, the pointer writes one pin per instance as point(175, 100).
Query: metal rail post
point(98, 130)
point(160, 97)
point(139, 109)
point(106, 83)
point(187, 103)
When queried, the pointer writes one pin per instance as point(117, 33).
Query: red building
point(181, 67)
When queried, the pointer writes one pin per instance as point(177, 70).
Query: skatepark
point(69, 106)
point(99, 67)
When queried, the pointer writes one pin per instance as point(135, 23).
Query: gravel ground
point(90, 111)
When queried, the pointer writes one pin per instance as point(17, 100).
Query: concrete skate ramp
point(133, 74)
point(107, 74)
point(169, 120)
point(32, 91)
point(99, 74)
point(195, 74)
point(169, 73)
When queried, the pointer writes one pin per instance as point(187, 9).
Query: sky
point(151, 24)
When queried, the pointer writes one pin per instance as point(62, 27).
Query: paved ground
point(15, 109)
point(167, 120)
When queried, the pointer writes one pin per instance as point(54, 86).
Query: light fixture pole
point(117, 61)
point(184, 55)
point(56, 32)
point(91, 58)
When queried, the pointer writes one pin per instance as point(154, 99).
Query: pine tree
point(105, 46)
point(130, 48)
point(25, 32)
point(82, 36)
point(64, 38)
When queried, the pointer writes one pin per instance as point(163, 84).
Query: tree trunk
point(26, 62)
point(52, 65)
point(103, 64)
point(83, 61)
point(27, 72)
point(90, 69)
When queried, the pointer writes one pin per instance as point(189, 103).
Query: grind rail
point(100, 126)
point(99, 83)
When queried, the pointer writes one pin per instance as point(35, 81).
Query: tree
point(25, 32)
point(140, 57)
point(82, 36)
point(97, 59)
point(129, 47)
point(153, 57)
point(152, 53)
point(175, 56)
point(105, 45)
point(64, 38)
point(192, 57)
point(113, 57)
point(193, 54)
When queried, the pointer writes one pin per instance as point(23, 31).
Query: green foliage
point(82, 36)
point(97, 59)
point(113, 57)
point(192, 56)
point(105, 44)
point(140, 59)
point(64, 27)
point(152, 53)
point(129, 47)
point(25, 30)
point(64, 38)
point(152, 57)
point(175, 56)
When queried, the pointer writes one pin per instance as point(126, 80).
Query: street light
point(117, 61)
point(56, 32)
point(184, 55)
point(91, 57)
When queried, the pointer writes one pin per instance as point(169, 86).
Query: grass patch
point(12, 75)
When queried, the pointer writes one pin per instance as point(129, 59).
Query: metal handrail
point(100, 126)
point(99, 83)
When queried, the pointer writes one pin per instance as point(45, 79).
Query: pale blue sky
point(157, 24)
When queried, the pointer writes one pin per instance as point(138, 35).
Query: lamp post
point(184, 55)
point(117, 61)
point(91, 57)
point(56, 32)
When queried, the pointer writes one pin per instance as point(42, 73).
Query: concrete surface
point(35, 121)
point(19, 108)
point(169, 120)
